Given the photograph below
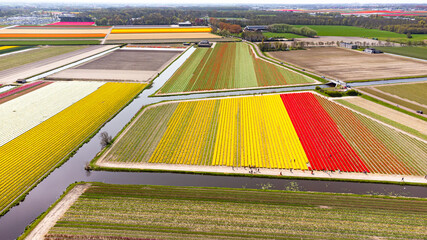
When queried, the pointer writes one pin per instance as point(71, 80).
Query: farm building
point(348, 45)
point(204, 43)
point(185, 24)
point(256, 28)
point(372, 50)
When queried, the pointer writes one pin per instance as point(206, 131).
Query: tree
point(106, 139)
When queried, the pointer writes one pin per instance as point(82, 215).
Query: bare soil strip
point(121, 65)
point(31, 69)
point(350, 65)
point(57, 212)
point(389, 113)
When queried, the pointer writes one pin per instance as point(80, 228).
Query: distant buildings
point(348, 45)
point(185, 24)
point(256, 28)
point(204, 43)
point(372, 50)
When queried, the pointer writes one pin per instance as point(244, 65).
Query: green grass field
point(415, 52)
point(228, 66)
point(282, 35)
point(50, 42)
point(19, 59)
point(165, 212)
point(395, 100)
point(416, 92)
point(350, 31)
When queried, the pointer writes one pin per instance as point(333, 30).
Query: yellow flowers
point(161, 30)
point(28, 157)
point(245, 131)
point(7, 47)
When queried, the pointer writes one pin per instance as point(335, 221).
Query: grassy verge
point(383, 119)
point(282, 35)
point(394, 100)
point(391, 78)
point(14, 49)
point(415, 52)
point(36, 221)
point(375, 100)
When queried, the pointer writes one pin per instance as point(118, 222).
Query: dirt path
point(57, 212)
point(266, 171)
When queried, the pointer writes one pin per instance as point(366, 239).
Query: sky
point(234, 2)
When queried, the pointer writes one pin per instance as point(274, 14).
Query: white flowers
point(25, 112)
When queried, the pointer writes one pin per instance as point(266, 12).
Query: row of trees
point(278, 46)
point(286, 28)
point(224, 26)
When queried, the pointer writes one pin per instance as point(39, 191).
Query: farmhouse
point(348, 45)
point(256, 28)
point(372, 50)
point(204, 43)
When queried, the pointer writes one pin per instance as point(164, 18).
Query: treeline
point(281, 46)
point(286, 28)
point(145, 16)
point(244, 17)
point(223, 28)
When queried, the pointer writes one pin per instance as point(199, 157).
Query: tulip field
point(229, 66)
point(106, 211)
point(28, 157)
point(162, 30)
point(21, 114)
point(288, 131)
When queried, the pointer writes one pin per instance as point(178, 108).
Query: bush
point(352, 92)
point(334, 93)
point(318, 88)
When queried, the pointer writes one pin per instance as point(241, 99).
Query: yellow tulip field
point(25, 159)
point(219, 132)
